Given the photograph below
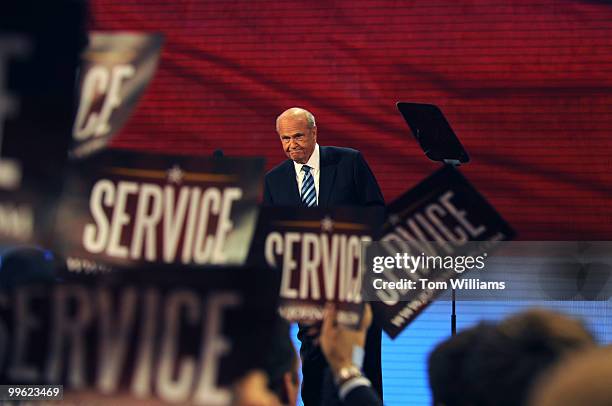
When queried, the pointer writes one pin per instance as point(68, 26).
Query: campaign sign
point(39, 51)
point(318, 252)
point(124, 208)
point(115, 70)
point(155, 334)
point(438, 219)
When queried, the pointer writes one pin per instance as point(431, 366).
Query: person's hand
point(252, 390)
point(337, 342)
point(312, 329)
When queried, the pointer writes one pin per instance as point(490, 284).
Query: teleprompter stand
point(439, 143)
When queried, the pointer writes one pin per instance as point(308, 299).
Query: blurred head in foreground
point(282, 366)
point(446, 363)
point(497, 364)
point(277, 384)
point(585, 379)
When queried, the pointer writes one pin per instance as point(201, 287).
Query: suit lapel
point(326, 178)
point(293, 195)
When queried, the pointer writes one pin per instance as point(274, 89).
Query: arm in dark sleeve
point(267, 197)
point(361, 395)
point(355, 392)
point(314, 367)
point(368, 189)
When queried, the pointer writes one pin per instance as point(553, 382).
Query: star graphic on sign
point(175, 174)
point(327, 224)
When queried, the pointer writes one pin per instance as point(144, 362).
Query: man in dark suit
point(341, 175)
point(324, 177)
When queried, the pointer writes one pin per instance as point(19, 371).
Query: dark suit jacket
point(345, 180)
point(358, 396)
point(362, 396)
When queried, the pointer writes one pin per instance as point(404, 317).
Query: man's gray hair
point(297, 111)
point(310, 119)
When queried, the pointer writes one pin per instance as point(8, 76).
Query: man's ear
point(314, 132)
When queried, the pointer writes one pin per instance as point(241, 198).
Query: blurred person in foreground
point(282, 366)
point(498, 364)
point(584, 379)
point(252, 390)
point(277, 384)
point(344, 349)
point(447, 361)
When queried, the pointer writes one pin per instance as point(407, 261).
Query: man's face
point(298, 140)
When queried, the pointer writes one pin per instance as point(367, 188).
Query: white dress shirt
point(315, 164)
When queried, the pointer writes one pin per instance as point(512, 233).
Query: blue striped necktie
point(309, 194)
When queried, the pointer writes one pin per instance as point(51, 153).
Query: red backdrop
point(526, 87)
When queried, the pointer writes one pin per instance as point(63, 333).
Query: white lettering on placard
point(150, 366)
point(215, 346)
point(116, 328)
point(69, 333)
point(416, 231)
point(106, 82)
point(20, 370)
point(176, 387)
point(337, 256)
point(441, 222)
point(164, 216)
